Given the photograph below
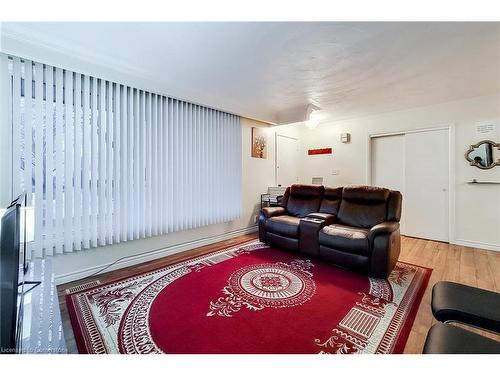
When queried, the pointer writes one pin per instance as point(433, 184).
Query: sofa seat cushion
point(345, 238)
point(284, 225)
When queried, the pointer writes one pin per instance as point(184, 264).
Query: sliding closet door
point(388, 165)
point(427, 181)
point(417, 164)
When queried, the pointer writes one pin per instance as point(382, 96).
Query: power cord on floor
point(111, 264)
point(126, 257)
point(131, 256)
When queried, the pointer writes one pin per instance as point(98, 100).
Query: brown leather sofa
point(355, 227)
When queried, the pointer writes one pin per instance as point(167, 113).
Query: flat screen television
point(12, 269)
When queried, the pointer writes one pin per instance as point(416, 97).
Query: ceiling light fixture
point(312, 116)
point(311, 124)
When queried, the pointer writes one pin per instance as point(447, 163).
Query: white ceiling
point(268, 70)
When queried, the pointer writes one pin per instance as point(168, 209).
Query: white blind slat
point(59, 161)
point(161, 159)
point(136, 179)
point(148, 166)
point(116, 164)
point(109, 140)
point(140, 167)
point(68, 161)
point(16, 126)
point(86, 163)
point(27, 134)
point(170, 168)
point(38, 125)
point(124, 165)
point(49, 161)
point(102, 163)
point(78, 145)
point(153, 166)
point(94, 196)
point(130, 165)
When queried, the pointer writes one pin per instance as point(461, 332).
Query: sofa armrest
point(273, 211)
point(327, 218)
point(387, 227)
point(385, 246)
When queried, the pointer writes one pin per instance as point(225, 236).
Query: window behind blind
point(104, 163)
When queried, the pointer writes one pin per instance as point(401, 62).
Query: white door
point(426, 185)
point(388, 165)
point(287, 155)
point(417, 164)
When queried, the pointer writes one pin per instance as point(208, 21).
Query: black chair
point(453, 302)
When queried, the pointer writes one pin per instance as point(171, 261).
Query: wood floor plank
point(483, 274)
point(494, 265)
point(467, 266)
point(449, 262)
point(452, 271)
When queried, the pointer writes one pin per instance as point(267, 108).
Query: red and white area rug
point(248, 299)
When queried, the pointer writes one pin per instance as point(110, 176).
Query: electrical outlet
point(335, 172)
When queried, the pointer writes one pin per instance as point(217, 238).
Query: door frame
point(451, 166)
point(276, 135)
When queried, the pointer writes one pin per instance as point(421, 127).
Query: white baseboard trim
point(152, 255)
point(479, 245)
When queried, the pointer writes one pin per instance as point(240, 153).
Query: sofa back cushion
point(303, 199)
point(331, 201)
point(363, 206)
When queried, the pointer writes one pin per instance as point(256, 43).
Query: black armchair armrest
point(387, 227)
point(327, 218)
point(273, 211)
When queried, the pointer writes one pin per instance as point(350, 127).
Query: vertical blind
point(104, 163)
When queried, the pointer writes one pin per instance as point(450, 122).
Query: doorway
point(287, 157)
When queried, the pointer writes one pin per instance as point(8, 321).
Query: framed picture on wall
point(259, 143)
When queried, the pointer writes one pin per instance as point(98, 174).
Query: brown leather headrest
point(367, 194)
point(333, 193)
point(306, 191)
point(331, 201)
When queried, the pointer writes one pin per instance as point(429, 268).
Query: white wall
point(477, 207)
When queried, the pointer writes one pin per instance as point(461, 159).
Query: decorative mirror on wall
point(484, 154)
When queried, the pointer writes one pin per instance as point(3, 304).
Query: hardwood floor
point(466, 265)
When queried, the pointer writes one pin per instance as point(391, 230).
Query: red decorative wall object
point(320, 151)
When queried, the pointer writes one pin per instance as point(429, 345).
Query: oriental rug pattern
point(248, 299)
